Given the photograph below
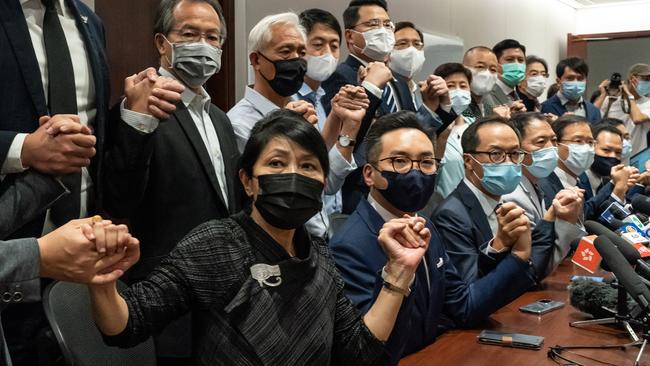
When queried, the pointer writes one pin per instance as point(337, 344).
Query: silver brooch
point(262, 272)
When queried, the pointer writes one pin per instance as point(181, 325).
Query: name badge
point(440, 262)
point(263, 272)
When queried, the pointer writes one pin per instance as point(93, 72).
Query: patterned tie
point(62, 99)
point(388, 99)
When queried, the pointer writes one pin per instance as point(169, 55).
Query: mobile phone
point(516, 340)
point(542, 306)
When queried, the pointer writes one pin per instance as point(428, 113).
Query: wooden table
point(460, 347)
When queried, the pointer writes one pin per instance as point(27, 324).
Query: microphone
point(623, 271)
point(626, 216)
point(641, 204)
point(595, 298)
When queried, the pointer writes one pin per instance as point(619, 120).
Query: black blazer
point(22, 99)
point(164, 182)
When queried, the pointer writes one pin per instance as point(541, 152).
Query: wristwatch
point(346, 141)
point(389, 286)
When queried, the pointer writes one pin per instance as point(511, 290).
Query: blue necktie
point(388, 99)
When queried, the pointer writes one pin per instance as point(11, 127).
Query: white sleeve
point(140, 121)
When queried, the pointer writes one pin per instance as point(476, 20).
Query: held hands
point(376, 73)
point(567, 205)
point(61, 145)
point(405, 241)
point(88, 252)
point(620, 176)
point(306, 109)
point(502, 111)
point(514, 230)
point(350, 104)
point(434, 92)
point(152, 94)
point(517, 107)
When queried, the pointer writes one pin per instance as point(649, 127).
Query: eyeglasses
point(403, 44)
point(499, 156)
point(192, 35)
point(377, 23)
point(580, 142)
point(403, 164)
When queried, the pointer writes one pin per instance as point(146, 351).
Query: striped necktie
point(388, 99)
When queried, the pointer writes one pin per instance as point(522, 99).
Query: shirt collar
point(566, 179)
point(488, 204)
point(364, 63)
point(505, 88)
point(306, 90)
point(188, 96)
point(564, 100)
point(594, 180)
point(39, 4)
point(260, 102)
point(384, 213)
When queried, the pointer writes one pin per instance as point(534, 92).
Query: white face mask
point(321, 67)
point(482, 81)
point(379, 43)
point(535, 85)
point(407, 62)
point(460, 100)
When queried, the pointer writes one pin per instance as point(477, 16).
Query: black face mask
point(289, 75)
point(287, 201)
point(408, 192)
point(603, 165)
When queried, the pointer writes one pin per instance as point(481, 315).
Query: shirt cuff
point(139, 121)
point(374, 89)
point(339, 166)
point(432, 113)
point(615, 197)
point(12, 163)
point(489, 250)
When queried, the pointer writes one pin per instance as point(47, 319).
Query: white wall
point(614, 18)
point(541, 25)
point(90, 3)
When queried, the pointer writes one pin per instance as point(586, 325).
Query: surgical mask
point(603, 165)
point(573, 90)
point(535, 85)
point(460, 100)
point(407, 62)
point(513, 73)
point(500, 179)
point(379, 43)
point(581, 156)
point(643, 87)
point(320, 68)
point(626, 152)
point(194, 63)
point(544, 162)
point(408, 192)
point(289, 75)
point(288, 201)
point(482, 81)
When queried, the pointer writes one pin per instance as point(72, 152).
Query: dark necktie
point(62, 99)
point(389, 99)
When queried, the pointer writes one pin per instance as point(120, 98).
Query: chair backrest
point(336, 222)
point(67, 307)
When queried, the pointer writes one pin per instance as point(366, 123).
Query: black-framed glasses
point(591, 143)
point(404, 164)
point(499, 156)
point(377, 23)
point(192, 35)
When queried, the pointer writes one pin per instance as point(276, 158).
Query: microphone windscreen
point(641, 203)
point(590, 297)
point(623, 271)
point(617, 212)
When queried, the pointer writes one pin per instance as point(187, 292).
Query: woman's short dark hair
point(470, 140)
point(386, 124)
point(451, 68)
point(287, 124)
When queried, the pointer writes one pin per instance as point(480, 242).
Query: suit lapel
point(403, 94)
point(583, 182)
point(192, 133)
point(370, 216)
point(229, 153)
point(475, 210)
point(12, 19)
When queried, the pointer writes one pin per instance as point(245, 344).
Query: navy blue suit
point(22, 98)
point(439, 297)
point(550, 185)
point(593, 204)
point(463, 226)
point(554, 105)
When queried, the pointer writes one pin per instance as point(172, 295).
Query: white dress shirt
point(85, 85)
point(566, 179)
point(198, 105)
point(489, 207)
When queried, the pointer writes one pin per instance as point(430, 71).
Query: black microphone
point(641, 204)
point(592, 297)
point(623, 271)
point(596, 228)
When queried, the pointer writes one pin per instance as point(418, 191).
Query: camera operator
point(629, 101)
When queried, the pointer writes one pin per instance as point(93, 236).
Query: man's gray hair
point(165, 16)
point(261, 35)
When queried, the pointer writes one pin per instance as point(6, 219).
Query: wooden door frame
point(577, 43)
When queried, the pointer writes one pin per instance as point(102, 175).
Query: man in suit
point(477, 226)
point(168, 175)
point(400, 171)
point(540, 144)
point(511, 56)
point(572, 77)
point(370, 38)
point(576, 155)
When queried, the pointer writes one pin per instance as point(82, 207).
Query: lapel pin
point(262, 272)
point(84, 19)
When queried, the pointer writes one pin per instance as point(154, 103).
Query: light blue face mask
point(544, 162)
point(460, 100)
point(573, 89)
point(513, 73)
point(643, 88)
point(581, 156)
point(500, 179)
point(626, 152)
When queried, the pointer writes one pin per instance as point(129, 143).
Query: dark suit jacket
point(164, 182)
point(554, 105)
point(22, 99)
point(594, 204)
point(433, 302)
point(463, 226)
point(550, 185)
